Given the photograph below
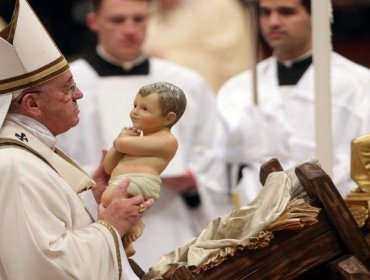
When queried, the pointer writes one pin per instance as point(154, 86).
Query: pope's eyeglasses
point(68, 91)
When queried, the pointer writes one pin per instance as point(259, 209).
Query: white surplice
point(282, 125)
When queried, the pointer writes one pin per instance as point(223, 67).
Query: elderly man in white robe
point(46, 230)
point(112, 76)
point(282, 124)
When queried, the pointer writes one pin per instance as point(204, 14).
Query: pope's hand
point(122, 213)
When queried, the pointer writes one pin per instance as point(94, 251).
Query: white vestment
point(282, 125)
point(105, 111)
point(46, 232)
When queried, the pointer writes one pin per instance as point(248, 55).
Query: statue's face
point(147, 114)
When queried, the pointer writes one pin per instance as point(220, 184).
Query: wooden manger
point(334, 248)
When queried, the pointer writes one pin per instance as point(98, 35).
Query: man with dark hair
point(281, 125)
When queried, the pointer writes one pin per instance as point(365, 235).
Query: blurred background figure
point(211, 37)
point(350, 30)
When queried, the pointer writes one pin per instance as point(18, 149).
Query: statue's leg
point(130, 237)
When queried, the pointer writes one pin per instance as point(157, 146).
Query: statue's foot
point(131, 237)
point(130, 250)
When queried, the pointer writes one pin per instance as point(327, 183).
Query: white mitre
point(28, 55)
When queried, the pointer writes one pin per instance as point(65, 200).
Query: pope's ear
point(171, 117)
point(91, 21)
point(31, 105)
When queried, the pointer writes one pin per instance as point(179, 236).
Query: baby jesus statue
point(142, 151)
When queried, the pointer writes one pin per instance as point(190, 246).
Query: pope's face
point(58, 103)
point(147, 115)
point(286, 27)
point(120, 26)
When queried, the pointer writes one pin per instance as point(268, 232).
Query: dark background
point(64, 20)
